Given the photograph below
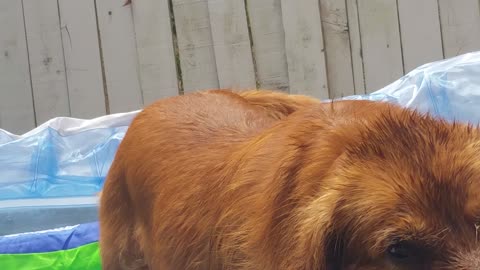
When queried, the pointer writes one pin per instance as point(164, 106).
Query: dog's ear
point(333, 250)
point(320, 242)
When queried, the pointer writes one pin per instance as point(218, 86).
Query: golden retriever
point(262, 180)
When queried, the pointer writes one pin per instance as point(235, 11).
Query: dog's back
point(164, 165)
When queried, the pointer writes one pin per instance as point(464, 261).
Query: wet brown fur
point(262, 180)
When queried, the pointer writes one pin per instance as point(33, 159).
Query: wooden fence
point(85, 58)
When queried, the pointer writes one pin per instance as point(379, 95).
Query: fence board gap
point(337, 48)
point(47, 63)
point(231, 43)
point(82, 58)
point(420, 29)
point(304, 48)
point(380, 36)
point(356, 47)
point(119, 53)
point(195, 45)
point(268, 41)
point(460, 21)
point(153, 33)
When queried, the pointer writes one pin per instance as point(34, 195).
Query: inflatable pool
point(50, 175)
point(73, 247)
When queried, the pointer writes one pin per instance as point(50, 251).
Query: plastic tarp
point(49, 176)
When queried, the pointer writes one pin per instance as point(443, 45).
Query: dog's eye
point(402, 253)
point(399, 251)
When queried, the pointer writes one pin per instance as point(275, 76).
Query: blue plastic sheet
point(50, 240)
point(64, 157)
point(63, 162)
point(449, 89)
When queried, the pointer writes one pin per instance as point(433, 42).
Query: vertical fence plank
point(420, 30)
point(153, 32)
point(16, 105)
point(82, 58)
point(381, 46)
point(120, 60)
point(356, 47)
point(304, 48)
point(337, 47)
point(47, 61)
point(268, 43)
point(460, 21)
point(231, 43)
point(195, 45)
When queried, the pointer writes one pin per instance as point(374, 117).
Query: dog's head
point(404, 193)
